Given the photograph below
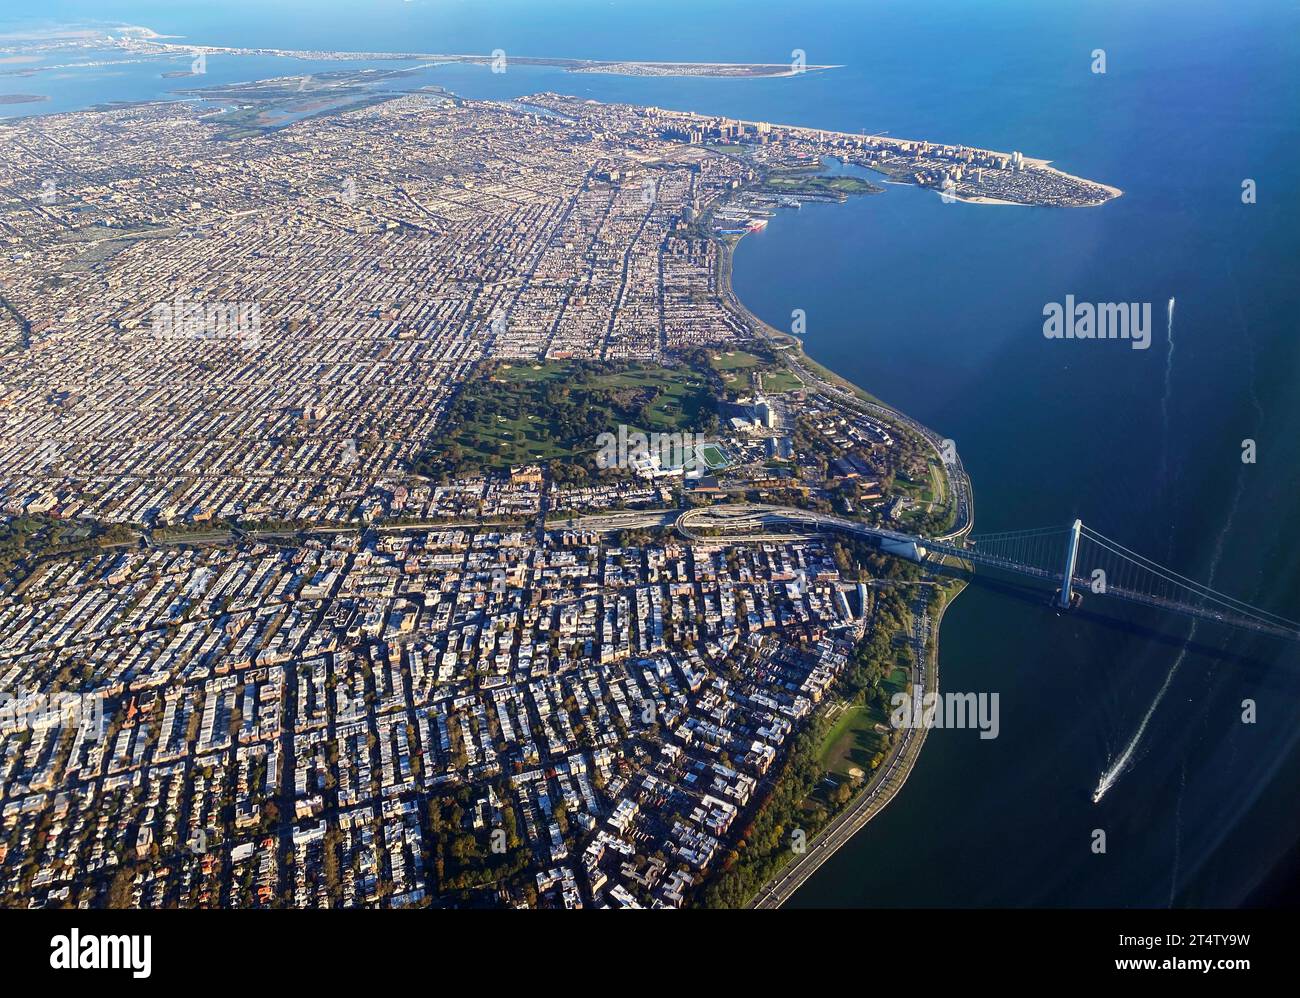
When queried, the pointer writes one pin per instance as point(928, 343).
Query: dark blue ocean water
point(938, 308)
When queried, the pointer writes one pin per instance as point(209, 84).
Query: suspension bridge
point(1078, 559)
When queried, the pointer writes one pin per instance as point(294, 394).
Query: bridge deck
point(759, 516)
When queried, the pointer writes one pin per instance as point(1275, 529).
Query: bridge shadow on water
point(1097, 611)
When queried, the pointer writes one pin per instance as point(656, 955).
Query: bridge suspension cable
point(1170, 585)
point(1106, 567)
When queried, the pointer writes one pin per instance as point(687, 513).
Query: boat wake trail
point(1164, 399)
point(1122, 761)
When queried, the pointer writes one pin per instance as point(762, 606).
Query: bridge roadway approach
point(1093, 562)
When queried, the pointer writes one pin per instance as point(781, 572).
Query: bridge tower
point(1071, 556)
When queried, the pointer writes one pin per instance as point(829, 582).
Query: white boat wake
point(1164, 399)
point(1113, 772)
point(1121, 763)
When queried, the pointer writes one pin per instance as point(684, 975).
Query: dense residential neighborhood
point(252, 656)
point(456, 715)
